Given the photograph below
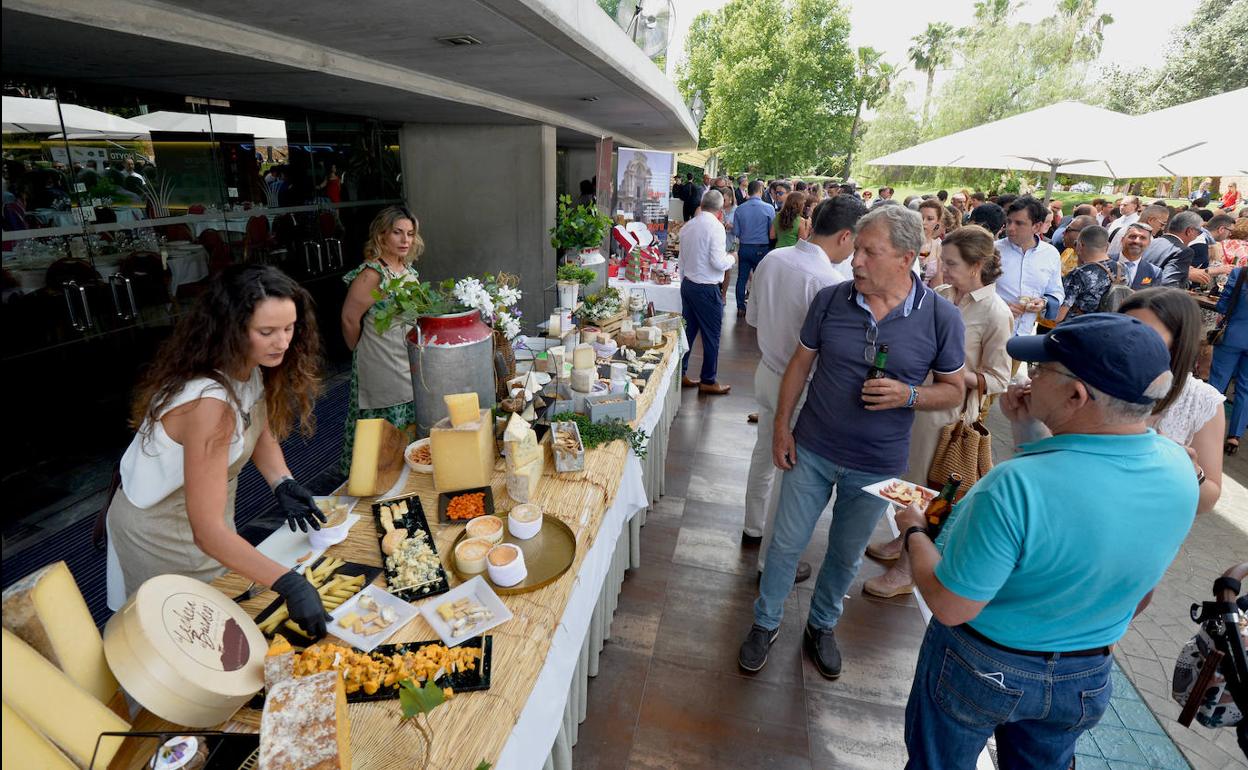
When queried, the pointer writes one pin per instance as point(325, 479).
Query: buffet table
point(544, 655)
point(666, 297)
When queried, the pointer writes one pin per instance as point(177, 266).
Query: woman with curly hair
point(381, 379)
point(239, 370)
point(789, 224)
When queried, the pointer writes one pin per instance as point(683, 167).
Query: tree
point(892, 128)
point(1207, 56)
point(932, 49)
point(777, 78)
point(872, 79)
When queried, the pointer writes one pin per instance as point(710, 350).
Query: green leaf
point(483, 765)
point(419, 700)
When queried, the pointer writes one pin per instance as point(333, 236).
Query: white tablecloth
point(534, 733)
point(665, 298)
point(58, 218)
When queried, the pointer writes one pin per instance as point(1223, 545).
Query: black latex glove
point(303, 603)
point(298, 505)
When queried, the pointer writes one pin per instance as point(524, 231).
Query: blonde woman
point(381, 383)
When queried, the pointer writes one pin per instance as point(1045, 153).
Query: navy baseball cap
point(1112, 352)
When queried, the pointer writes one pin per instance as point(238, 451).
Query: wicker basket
point(505, 370)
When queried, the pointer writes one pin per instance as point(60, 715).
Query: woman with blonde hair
point(381, 382)
point(971, 265)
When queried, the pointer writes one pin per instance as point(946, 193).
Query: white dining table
point(665, 297)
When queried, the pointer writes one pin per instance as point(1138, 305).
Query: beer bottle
point(876, 372)
point(939, 509)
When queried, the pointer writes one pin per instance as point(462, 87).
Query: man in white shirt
point(703, 261)
point(784, 285)
point(1031, 269)
point(1130, 208)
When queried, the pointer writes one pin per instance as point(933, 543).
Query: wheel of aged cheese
point(185, 651)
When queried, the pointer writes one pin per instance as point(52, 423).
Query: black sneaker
point(821, 645)
point(753, 654)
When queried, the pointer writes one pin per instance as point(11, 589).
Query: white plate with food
point(467, 610)
point(370, 618)
point(293, 549)
point(901, 493)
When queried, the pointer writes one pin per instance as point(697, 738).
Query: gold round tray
point(547, 555)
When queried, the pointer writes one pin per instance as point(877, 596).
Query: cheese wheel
point(583, 356)
point(24, 746)
point(47, 611)
point(50, 702)
point(583, 379)
point(305, 725)
point(185, 651)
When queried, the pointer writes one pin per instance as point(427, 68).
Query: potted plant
point(579, 231)
point(569, 279)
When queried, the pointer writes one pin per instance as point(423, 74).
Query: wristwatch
point(905, 538)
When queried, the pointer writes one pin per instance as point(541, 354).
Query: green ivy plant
point(412, 299)
point(575, 274)
point(578, 227)
point(416, 703)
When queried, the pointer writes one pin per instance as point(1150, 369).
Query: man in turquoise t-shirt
point(1051, 554)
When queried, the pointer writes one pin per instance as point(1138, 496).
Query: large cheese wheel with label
point(185, 651)
point(47, 611)
point(50, 702)
point(376, 458)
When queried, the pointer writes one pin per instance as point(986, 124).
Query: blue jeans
point(1231, 363)
point(703, 308)
point(804, 493)
point(965, 690)
point(748, 257)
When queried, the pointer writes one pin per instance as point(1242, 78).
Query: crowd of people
point(1084, 326)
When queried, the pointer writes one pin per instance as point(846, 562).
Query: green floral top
point(410, 274)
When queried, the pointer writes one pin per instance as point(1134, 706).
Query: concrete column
point(485, 198)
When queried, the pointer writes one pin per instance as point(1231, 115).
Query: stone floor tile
point(847, 733)
point(1159, 751)
point(1118, 744)
point(1136, 716)
point(1091, 763)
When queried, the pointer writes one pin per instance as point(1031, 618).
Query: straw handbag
point(965, 449)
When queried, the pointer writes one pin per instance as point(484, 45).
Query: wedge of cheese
point(462, 408)
point(305, 725)
point(516, 429)
point(463, 457)
point(51, 703)
point(376, 458)
point(522, 481)
point(24, 746)
point(521, 451)
point(47, 611)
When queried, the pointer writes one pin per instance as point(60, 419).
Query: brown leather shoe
point(713, 388)
point(752, 417)
point(685, 382)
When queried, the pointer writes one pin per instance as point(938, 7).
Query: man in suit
point(1172, 252)
point(1139, 274)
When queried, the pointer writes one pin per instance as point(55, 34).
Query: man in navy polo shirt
point(1048, 557)
point(751, 223)
point(852, 432)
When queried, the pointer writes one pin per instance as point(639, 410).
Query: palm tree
point(872, 79)
point(930, 51)
point(991, 12)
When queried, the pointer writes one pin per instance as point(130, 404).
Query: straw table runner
point(475, 725)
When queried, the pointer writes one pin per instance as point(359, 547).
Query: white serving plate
point(405, 611)
point(479, 591)
point(874, 489)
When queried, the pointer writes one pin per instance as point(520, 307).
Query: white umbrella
point(267, 131)
point(1071, 137)
point(1210, 145)
point(41, 116)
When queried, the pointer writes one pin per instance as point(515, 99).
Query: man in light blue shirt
point(1031, 269)
point(751, 224)
point(1049, 555)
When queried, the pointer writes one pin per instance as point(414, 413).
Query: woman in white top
point(238, 370)
point(1191, 414)
point(971, 265)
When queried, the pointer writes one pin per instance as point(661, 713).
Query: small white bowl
point(470, 555)
point(407, 457)
point(489, 528)
point(506, 575)
point(524, 521)
point(327, 536)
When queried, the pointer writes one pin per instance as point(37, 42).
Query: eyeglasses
point(1034, 369)
point(868, 353)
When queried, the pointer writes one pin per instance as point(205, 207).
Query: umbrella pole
point(1048, 188)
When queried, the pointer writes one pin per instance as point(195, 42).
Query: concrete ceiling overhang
point(538, 62)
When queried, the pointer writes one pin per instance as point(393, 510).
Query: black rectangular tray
point(464, 681)
point(350, 569)
point(445, 498)
point(414, 520)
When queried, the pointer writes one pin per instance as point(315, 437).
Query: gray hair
point(712, 201)
point(905, 227)
point(1185, 220)
point(1116, 411)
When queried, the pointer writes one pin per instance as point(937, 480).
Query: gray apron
point(156, 541)
point(385, 375)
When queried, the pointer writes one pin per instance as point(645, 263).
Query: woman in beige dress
point(970, 264)
point(240, 368)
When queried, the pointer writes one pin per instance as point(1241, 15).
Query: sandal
point(1231, 446)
